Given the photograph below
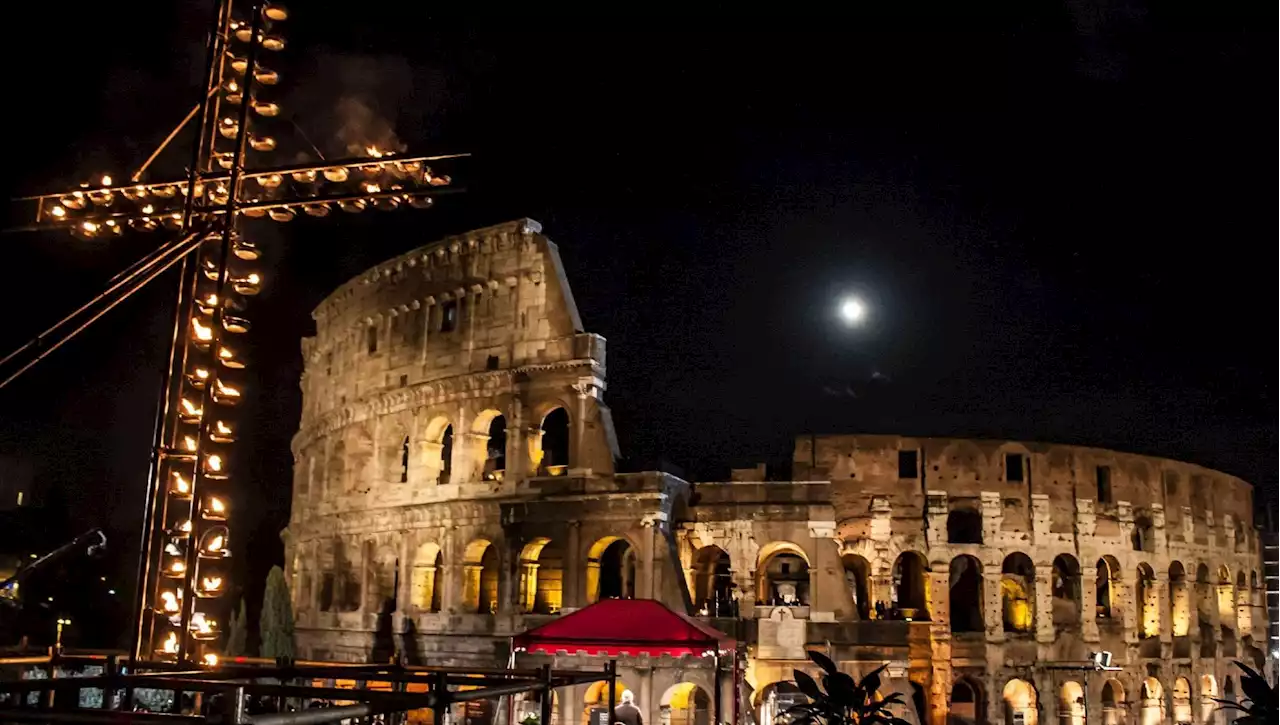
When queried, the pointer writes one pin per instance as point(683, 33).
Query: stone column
point(1044, 603)
point(1089, 603)
point(822, 575)
point(576, 457)
point(506, 568)
point(992, 605)
point(574, 563)
point(645, 587)
point(1130, 607)
point(404, 576)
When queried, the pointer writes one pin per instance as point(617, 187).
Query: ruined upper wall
point(1185, 496)
point(490, 299)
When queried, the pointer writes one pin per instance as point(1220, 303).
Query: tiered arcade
point(454, 485)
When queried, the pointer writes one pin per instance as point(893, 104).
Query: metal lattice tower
point(186, 531)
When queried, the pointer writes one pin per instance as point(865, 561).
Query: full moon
point(853, 311)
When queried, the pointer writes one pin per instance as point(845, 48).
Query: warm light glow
point(213, 462)
point(169, 602)
point(148, 209)
point(202, 333)
point(106, 180)
point(189, 443)
point(58, 212)
point(202, 374)
point(178, 567)
point(374, 152)
point(210, 660)
point(190, 409)
point(180, 484)
point(216, 505)
point(202, 624)
point(372, 188)
point(222, 429)
point(853, 311)
point(215, 544)
point(212, 583)
point(227, 390)
point(89, 227)
point(233, 87)
point(170, 645)
point(253, 278)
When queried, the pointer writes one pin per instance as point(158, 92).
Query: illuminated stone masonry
point(455, 485)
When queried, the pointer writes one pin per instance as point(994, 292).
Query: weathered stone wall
point(961, 563)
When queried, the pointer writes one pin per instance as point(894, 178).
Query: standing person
point(627, 713)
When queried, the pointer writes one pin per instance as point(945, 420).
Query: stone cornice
point(425, 394)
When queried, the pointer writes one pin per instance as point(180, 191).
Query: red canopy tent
point(617, 627)
point(632, 627)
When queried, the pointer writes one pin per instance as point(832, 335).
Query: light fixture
point(215, 509)
point(336, 174)
point(180, 487)
point(248, 285)
point(58, 212)
point(228, 359)
point(266, 76)
point(189, 412)
point(210, 585)
point(232, 323)
point(221, 433)
point(275, 12)
point(198, 377)
point(200, 332)
point(245, 249)
point(169, 603)
point(209, 660)
point(262, 143)
point(214, 467)
point(170, 646)
point(225, 394)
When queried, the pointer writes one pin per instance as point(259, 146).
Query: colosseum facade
point(455, 485)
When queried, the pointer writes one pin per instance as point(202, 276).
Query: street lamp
point(57, 642)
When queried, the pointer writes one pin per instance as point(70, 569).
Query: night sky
point(1062, 218)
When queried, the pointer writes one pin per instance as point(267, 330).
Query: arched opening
point(495, 461)
point(428, 563)
point(1148, 603)
point(966, 594)
point(555, 443)
point(1112, 703)
point(1226, 598)
point(480, 566)
point(1143, 538)
point(910, 586)
point(1205, 603)
point(685, 703)
point(1107, 584)
point(1065, 589)
point(1071, 704)
point(445, 464)
point(1020, 706)
point(1208, 698)
point(966, 703)
point(1244, 613)
point(964, 526)
point(783, 575)
point(1151, 709)
point(1182, 701)
point(611, 570)
point(775, 699)
point(1018, 593)
point(596, 701)
point(1179, 601)
point(857, 580)
point(713, 582)
point(541, 577)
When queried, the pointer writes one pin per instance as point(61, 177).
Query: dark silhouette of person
point(627, 713)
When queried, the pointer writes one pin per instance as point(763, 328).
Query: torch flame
point(216, 505)
point(169, 601)
point(58, 212)
point(215, 544)
point(106, 180)
point(222, 428)
point(170, 645)
point(189, 443)
point(214, 462)
point(177, 567)
point(180, 484)
point(202, 332)
point(374, 151)
point(210, 660)
point(212, 583)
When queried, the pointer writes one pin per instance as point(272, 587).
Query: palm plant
point(1260, 699)
point(841, 700)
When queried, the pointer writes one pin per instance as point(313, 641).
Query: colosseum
point(455, 486)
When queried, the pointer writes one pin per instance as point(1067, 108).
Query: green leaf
point(823, 661)
point(808, 686)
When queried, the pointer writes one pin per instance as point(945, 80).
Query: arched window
point(1179, 600)
point(1143, 538)
point(428, 563)
point(1244, 613)
point(611, 570)
point(480, 577)
point(966, 594)
point(495, 461)
point(783, 576)
point(685, 704)
point(857, 579)
point(1112, 703)
point(1018, 592)
point(1182, 701)
point(1151, 709)
point(1107, 584)
point(1065, 589)
point(910, 586)
point(555, 443)
point(1208, 698)
point(1071, 703)
point(964, 526)
point(541, 577)
point(1020, 703)
point(966, 703)
point(713, 582)
point(1148, 603)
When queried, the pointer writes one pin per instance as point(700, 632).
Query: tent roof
point(614, 627)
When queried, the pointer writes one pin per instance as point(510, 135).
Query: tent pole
point(612, 669)
point(715, 685)
point(737, 692)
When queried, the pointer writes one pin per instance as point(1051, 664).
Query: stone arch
point(1071, 703)
point(1179, 600)
point(1182, 701)
point(967, 703)
point(436, 452)
point(1113, 704)
point(480, 567)
point(964, 524)
point(1065, 591)
point(782, 575)
point(1244, 612)
point(857, 579)
point(1018, 592)
point(1020, 702)
point(966, 594)
point(488, 444)
point(1108, 585)
point(774, 699)
point(1226, 604)
point(685, 703)
point(551, 457)
point(1143, 537)
point(713, 581)
point(596, 698)
point(1148, 602)
point(541, 576)
point(1151, 710)
point(611, 569)
point(911, 586)
point(428, 565)
point(1208, 698)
